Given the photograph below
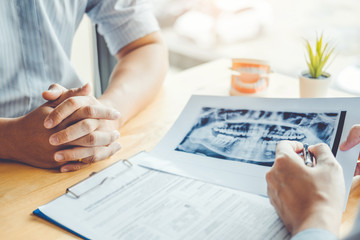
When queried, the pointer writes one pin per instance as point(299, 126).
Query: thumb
point(352, 139)
point(322, 154)
point(82, 91)
point(54, 92)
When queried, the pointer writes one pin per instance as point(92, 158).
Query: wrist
point(8, 138)
point(326, 218)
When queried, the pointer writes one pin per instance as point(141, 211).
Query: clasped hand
point(72, 125)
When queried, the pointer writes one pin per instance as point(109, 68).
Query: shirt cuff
point(314, 233)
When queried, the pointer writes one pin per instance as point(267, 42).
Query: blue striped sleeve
point(314, 233)
point(122, 22)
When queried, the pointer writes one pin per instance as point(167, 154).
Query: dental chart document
point(230, 141)
point(131, 202)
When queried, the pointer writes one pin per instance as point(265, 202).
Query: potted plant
point(315, 82)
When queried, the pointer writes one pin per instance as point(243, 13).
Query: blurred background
point(198, 31)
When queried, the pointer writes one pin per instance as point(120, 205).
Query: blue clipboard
point(38, 213)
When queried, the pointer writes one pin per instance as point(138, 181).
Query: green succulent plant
point(318, 56)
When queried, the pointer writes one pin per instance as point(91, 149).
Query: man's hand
point(352, 140)
point(30, 139)
point(89, 127)
point(306, 197)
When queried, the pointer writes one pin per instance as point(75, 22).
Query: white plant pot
point(314, 87)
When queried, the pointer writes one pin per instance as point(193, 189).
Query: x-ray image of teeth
point(251, 135)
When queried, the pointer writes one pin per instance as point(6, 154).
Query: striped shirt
point(36, 38)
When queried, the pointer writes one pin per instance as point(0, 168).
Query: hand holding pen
point(306, 197)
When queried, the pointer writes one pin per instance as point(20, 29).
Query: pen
point(308, 156)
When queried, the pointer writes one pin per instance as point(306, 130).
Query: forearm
point(136, 79)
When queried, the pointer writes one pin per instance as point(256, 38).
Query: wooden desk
point(24, 188)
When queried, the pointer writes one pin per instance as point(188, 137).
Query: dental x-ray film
point(251, 136)
point(231, 141)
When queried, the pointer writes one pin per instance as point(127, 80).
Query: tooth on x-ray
point(251, 135)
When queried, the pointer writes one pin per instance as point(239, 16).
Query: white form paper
point(230, 141)
point(137, 203)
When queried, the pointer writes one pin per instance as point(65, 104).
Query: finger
point(74, 132)
point(65, 109)
point(73, 92)
point(54, 92)
point(87, 154)
point(71, 167)
point(85, 90)
point(93, 112)
point(57, 93)
point(102, 153)
point(96, 138)
point(352, 139)
point(322, 154)
point(289, 146)
point(288, 150)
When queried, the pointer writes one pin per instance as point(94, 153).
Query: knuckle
point(338, 166)
point(54, 85)
point(321, 149)
point(334, 165)
point(64, 135)
point(92, 98)
point(282, 143)
point(108, 114)
point(109, 152)
point(92, 139)
point(285, 142)
point(268, 177)
point(76, 167)
point(281, 159)
point(73, 102)
point(90, 111)
point(91, 159)
point(72, 90)
point(86, 125)
point(69, 155)
point(322, 145)
point(56, 115)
